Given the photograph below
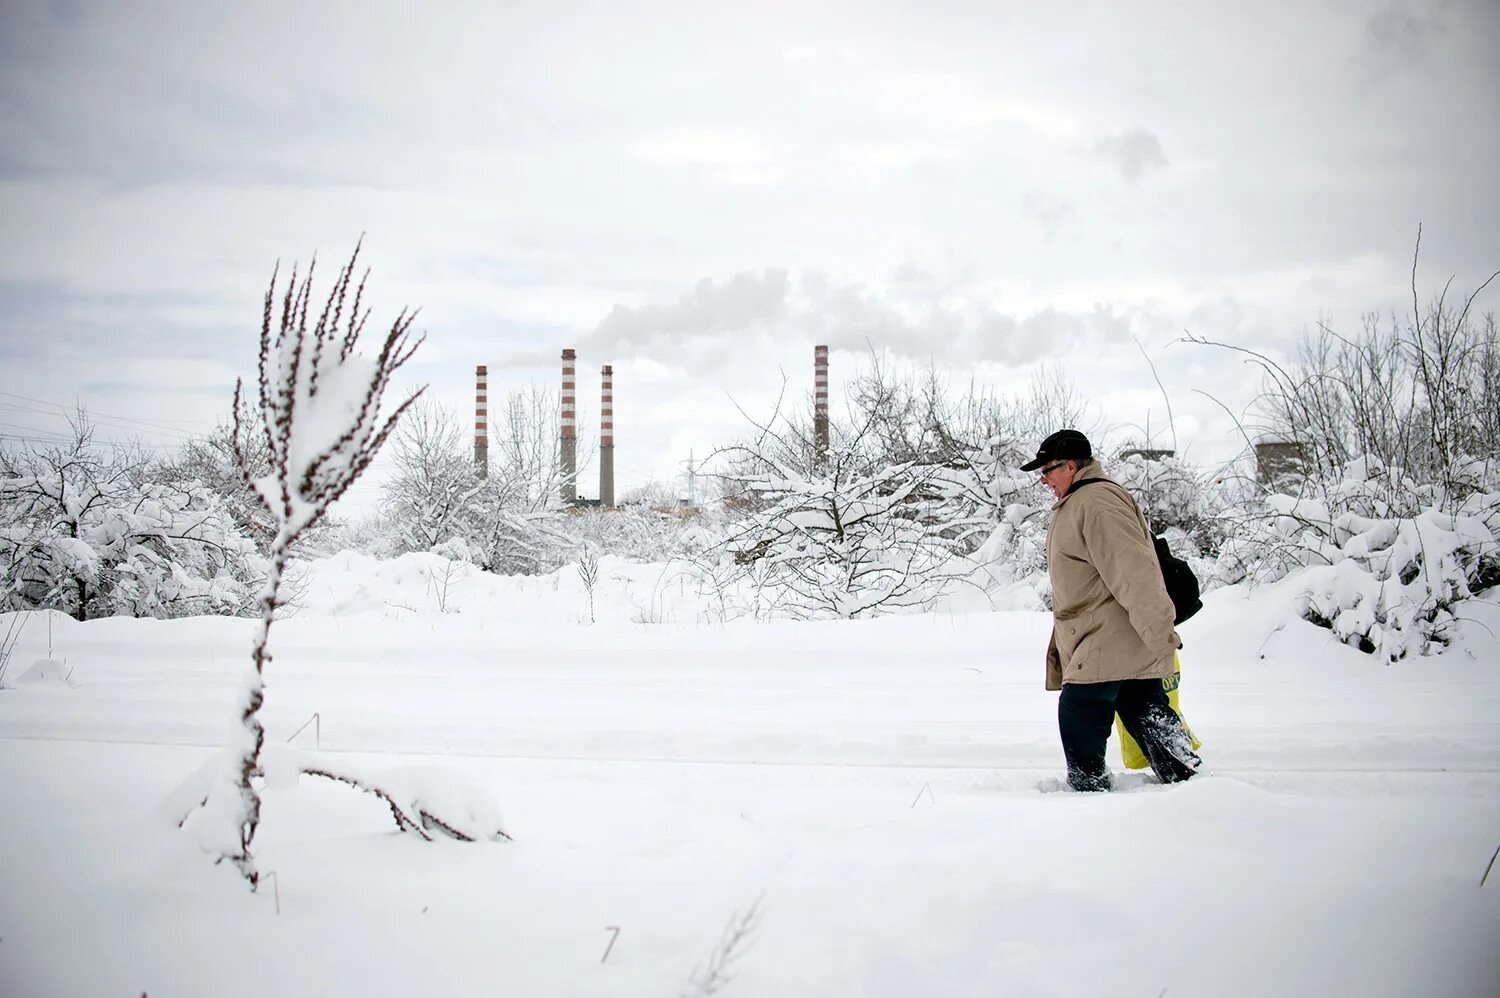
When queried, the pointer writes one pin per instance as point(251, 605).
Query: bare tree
point(1052, 403)
point(430, 497)
point(508, 519)
point(919, 417)
point(525, 461)
point(1417, 398)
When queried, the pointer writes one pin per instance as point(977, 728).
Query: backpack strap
point(1082, 482)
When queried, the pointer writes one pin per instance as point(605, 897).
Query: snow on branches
point(319, 406)
point(916, 493)
point(319, 401)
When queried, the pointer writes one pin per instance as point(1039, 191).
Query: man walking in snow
point(1112, 640)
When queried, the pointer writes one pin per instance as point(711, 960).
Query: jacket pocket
point(1080, 633)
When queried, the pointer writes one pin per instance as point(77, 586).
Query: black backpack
point(1182, 584)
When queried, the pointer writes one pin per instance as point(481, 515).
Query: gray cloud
point(1398, 40)
point(1134, 153)
point(39, 320)
point(154, 93)
point(1048, 333)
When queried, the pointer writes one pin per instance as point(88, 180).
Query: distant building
point(1149, 454)
point(1277, 457)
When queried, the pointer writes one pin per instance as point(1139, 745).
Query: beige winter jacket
point(1111, 615)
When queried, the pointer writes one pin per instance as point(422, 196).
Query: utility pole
point(692, 476)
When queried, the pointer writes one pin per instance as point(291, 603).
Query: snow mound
point(49, 672)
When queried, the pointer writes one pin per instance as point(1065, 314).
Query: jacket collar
point(1089, 469)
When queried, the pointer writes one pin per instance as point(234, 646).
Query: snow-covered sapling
point(588, 574)
point(319, 404)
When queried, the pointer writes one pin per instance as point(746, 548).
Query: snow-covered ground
point(869, 789)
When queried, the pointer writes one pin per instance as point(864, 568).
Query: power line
point(64, 410)
point(59, 405)
point(100, 421)
point(54, 437)
point(37, 429)
point(28, 440)
point(122, 444)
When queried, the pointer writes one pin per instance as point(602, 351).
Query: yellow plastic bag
point(1130, 752)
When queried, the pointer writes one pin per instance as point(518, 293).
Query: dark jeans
point(1085, 716)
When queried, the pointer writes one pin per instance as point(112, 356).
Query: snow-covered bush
point(1392, 518)
point(509, 519)
point(182, 553)
point(500, 537)
point(211, 461)
point(1177, 501)
point(99, 534)
point(918, 491)
point(644, 533)
point(1381, 560)
point(1015, 554)
point(848, 545)
point(517, 542)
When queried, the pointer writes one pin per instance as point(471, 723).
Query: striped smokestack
point(569, 429)
point(820, 403)
point(607, 438)
point(481, 421)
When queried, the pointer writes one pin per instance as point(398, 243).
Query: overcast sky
point(698, 193)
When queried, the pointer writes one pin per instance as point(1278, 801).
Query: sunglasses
point(1049, 469)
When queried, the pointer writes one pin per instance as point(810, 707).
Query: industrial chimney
point(607, 440)
point(569, 430)
point(481, 422)
point(820, 404)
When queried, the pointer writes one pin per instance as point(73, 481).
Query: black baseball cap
point(1064, 445)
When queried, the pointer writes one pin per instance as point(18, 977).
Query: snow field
point(871, 784)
